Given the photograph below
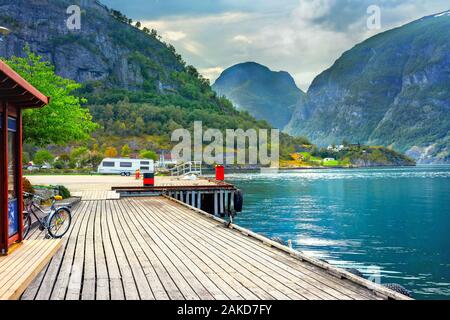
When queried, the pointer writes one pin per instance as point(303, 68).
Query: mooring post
point(227, 207)
point(232, 201)
point(216, 204)
point(221, 202)
point(199, 200)
point(193, 198)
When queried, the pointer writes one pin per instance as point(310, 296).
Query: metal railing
point(192, 167)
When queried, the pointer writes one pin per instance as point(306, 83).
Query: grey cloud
point(220, 33)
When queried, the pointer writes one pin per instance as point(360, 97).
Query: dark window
point(145, 163)
point(145, 168)
point(126, 165)
point(12, 123)
point(109, 164)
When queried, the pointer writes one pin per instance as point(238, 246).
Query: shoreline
point(239, 170)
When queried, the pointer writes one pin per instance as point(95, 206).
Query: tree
point(64, 157)
point(79, 153)
point(25, 158)
point(111, 152)
point(63, 120)
point(95, 158)
point(59, 165)
point(146, 154)
point(126, 151)
point(80, 156)
point(138, 24)
point(43, 156)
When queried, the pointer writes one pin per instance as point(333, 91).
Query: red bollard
point(220, 173)
point(149, 179)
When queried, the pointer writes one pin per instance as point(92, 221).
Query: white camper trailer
point(125, 166)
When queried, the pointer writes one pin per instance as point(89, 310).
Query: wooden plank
point(116, 289)
point(200, 268)
point(247, 282)
point(263, 280)
point(312, 284)
point(316, 279)
point(156, 286)
point(183, 286)
point(201, 284)
point(61, 284)
point(89, 267)
point(131, 292)
point(37, 254)
point(237, 240)
point(162, 283)
point(102, 281)
point(146, 248)
point(75, 282)
point(45, 287)
point(7, 264)
point(32, 290)
point(145, 292)
point(302, 287)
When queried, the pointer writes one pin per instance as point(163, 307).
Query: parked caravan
point(125, 166)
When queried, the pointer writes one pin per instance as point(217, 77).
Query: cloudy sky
point(303, 37)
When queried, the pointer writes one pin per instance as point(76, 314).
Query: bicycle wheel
point(26, 224)
point(59, 223)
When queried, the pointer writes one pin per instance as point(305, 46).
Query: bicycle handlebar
point(35, 196)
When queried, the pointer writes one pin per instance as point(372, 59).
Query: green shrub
point(63, 192)
point(59, 165)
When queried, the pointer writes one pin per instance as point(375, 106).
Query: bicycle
point(57, 221)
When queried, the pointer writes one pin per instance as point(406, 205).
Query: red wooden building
point(16, 94)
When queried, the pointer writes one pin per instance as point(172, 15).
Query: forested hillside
point(137, 87)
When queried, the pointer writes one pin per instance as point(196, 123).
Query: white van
point(125, 166)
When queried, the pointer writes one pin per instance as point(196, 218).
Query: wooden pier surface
point(96, 183)
point(156, 248)
point(20, 267)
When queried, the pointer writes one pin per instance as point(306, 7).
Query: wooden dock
point(19, 268)
point(158, 248)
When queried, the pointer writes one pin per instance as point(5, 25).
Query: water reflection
point(395, 219)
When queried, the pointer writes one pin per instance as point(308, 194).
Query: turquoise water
point(391, 223)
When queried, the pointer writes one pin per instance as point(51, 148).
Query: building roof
point(16, 90)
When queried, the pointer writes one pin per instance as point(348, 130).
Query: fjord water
point(392, 222)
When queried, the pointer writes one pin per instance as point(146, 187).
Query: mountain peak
point(260, 91)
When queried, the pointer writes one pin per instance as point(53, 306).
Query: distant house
point(336, 148)
point(329, 159)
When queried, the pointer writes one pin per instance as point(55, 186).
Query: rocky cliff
point(105, 51)
point(391, 90)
